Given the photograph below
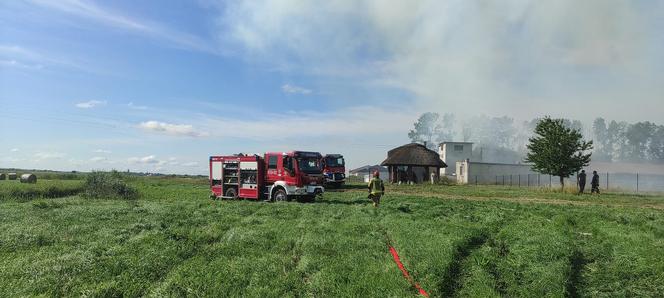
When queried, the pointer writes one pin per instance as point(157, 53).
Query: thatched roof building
point(412, 163)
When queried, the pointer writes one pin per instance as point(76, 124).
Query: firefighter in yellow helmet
point(376, 189)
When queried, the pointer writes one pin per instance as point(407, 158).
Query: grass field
point(455, 241)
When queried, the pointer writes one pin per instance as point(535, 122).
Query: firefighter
point(582, 181)
point(376, 188)
point(594, 183)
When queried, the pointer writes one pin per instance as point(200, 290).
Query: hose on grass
point(397, 260)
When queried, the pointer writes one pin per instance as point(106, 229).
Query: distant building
point(469, 169)
point(451, 152)
point(365, 170)
point(413, 163)
point(469, 172)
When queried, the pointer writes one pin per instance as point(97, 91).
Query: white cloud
point(190, 164)
point(14, 63)
point(49, 155)
point(98, 159)
point(18, 56)
point(10, 159)
point(94, 12)
point(515, 57)
point(173, 161)
point(90, 104)
point(354, 121)
point(103, 151)
point(292, 89)
point(150, 159)
point(132, 106)
point(172, 129)
point(14, 150)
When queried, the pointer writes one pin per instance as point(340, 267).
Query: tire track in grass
point(450, 283)
point(402, 268)
point(198, 249)
point(574, 280)
point(501, 285)
point(497, 251)
point(531, 200)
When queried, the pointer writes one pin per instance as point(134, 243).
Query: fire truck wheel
point(279, 195)
point(231, 192)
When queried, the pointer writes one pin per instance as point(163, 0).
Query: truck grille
point(338, 176)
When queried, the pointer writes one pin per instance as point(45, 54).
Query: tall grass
point(174, 241)
point(108, 185)
point(41, 189)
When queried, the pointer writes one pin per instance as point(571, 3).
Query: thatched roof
point(413, 154)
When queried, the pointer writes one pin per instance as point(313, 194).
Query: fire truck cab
point(278, 176)
point(334, 169)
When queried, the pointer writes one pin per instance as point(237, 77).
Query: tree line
point(502, 139)
point(630, 142)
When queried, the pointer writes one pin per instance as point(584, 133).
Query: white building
point(466, 169)
point(468, 172)
point(452, 152)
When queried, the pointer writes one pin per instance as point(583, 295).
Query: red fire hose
point(408, 277)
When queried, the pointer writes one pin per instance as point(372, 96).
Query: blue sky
point(161, 85)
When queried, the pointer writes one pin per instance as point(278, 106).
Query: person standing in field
point(594, 183)
point(582, 181)
point(376, 189)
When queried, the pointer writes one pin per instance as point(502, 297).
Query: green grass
point(455, 240)
point(107, 185)
point(14, 190)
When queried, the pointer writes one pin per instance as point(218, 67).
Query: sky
point(159, 86)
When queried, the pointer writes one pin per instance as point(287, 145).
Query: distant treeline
point(502, 139)
point(632, 142)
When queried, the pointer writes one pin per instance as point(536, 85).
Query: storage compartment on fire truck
point(249, 179)
point(230, 177)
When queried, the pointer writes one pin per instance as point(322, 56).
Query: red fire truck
point(278, 176)
point(334, 169)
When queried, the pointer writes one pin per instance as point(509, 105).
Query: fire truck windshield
point(309, 165)
point(334, 161)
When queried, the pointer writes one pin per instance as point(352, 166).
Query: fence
point(635, 182)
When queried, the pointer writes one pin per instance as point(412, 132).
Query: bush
point(444, 180)
point(104, 185)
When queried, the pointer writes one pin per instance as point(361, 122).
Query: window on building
point(272, 162)
point(458, 147)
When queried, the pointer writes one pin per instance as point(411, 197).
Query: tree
point(615, 134)
point(558, 150)
point(447, 131)
point(573, 124)
point(493, 131)
point(430, 128)
point(639, 138)
point(656, 148)
point(466, 132)
point(603, 148)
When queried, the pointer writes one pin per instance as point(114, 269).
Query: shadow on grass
point(345, 202)
point(346, 188)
